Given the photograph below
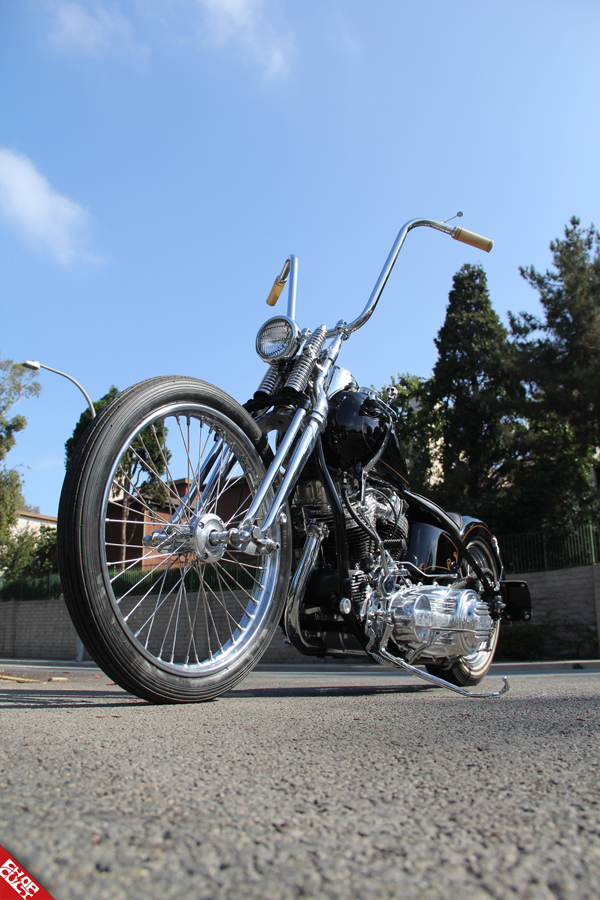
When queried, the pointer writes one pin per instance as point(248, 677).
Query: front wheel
point(470, 670)
point(166, 613)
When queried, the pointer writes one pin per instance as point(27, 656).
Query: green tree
point(141, 468)
point(84, 420)
point(509, 430)
point(29, 552)
point(16, 383)
point(17, 552)
point(11, 499)
point(45, 554)
point(559, 352)
point(406, 395)
point(470, 399)
point(558, 359)
point(549, 483)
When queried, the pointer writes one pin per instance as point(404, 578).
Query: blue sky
point(159, 159)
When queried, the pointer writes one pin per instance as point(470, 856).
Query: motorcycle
point(190, 527)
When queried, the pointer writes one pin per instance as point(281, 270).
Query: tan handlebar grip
point(276, 290)
point(470, 237)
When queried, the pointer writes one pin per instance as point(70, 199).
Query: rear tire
point(175, 621)
point(470, 670)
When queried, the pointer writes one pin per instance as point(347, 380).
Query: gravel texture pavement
point(358, 783)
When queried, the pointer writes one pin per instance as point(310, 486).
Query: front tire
point(470, 670)
point(166, 615)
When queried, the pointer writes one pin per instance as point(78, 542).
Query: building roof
point(34, 519)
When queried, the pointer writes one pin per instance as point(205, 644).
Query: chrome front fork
point(253, 536)
point(253, 531)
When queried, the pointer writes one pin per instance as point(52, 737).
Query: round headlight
point(279, 338)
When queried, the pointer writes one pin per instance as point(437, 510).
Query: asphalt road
point(351, 783)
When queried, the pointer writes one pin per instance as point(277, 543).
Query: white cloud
point(38, 212)
point(94, 31)
point(243, 22)
point(97, 29)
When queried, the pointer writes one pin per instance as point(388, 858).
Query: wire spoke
point(132, 566)
point(229, 614)
point(223, 571)
point(156, 605)
point(222, 605)
point(184, 614)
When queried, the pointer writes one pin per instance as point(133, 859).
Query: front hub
point(207, 546)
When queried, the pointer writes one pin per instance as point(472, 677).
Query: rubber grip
point(470, 237)
point(276, 290)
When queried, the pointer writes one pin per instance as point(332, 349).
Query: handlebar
point(459, 234)
point(291, 267)
point(472, 238)
point(279, 284)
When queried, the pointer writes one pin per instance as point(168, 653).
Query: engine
point(383, 511)
point(431, 621)
point(439, 621)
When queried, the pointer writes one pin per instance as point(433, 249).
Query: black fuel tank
point(356, 429)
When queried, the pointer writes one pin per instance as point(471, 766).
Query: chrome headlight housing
point(279, 338)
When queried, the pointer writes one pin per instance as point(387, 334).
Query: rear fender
point(475, 528)
point(435, 551)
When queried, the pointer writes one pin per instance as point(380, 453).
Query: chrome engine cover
point(449, 622)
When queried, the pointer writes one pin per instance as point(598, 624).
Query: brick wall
point(42, 629)
point(565, 611)
point(564, 594)
point(36, 629)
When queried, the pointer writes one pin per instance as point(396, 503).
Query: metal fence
point(40, 587)
point(538, 552)
point(231, 576)
point(520, 553)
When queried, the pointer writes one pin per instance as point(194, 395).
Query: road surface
point(346, 782)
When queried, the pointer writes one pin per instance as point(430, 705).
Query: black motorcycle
point(190, 527)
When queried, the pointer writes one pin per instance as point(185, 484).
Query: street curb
point(336, 668)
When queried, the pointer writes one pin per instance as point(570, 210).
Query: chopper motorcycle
point(186, 537)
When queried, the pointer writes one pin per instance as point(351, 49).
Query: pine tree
point(84, 420)
point(470, 398)
point(558, 358)
point(412, 426)
point(559, 353)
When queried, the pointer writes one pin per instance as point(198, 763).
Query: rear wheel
point(469, 670)
point(168, 613)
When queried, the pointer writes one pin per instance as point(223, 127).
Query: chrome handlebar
point(291, 268)
point(313, 420)
point(386, 272)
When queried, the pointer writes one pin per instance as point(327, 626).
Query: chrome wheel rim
point(187, 615)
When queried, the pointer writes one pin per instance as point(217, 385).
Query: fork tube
point(301, 453)
point(307, 441)
point(275, 466)
point(226, 464)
